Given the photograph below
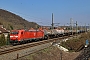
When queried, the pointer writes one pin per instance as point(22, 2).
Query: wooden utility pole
point(60, 55)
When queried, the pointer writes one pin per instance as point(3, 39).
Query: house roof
point(3, 30)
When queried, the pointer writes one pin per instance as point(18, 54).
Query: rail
point(24, 46)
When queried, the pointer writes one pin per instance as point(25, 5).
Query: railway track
point(25, 49)
point(24, 46)
point(6, 46)
point(16, 48)
point(20, 47)
point(85, 54)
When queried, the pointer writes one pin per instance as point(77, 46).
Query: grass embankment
point(76, 42)
point(50, 53)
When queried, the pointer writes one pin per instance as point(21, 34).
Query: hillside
point(11, 20)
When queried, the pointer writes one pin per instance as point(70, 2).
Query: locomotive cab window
point(14, 32)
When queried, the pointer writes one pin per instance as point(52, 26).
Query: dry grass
point(75, 43)
point(51, 53)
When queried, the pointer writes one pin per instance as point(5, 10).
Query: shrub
point(8, 39)
point(75, 43)
point(2, 40)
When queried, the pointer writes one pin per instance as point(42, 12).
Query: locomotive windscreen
point(14, 32)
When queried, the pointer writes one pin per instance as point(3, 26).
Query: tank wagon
point(54, 33)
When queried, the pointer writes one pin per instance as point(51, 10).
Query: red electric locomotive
point(19, 36)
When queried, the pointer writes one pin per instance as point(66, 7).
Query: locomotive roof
point(34, 30)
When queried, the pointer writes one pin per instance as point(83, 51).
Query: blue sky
point(40, 11)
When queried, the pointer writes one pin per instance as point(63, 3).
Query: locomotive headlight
point(11, 36)
point(16, 36)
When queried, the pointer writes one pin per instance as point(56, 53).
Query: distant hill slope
point(12, 21)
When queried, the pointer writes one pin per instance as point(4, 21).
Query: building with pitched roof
point(3, 31)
